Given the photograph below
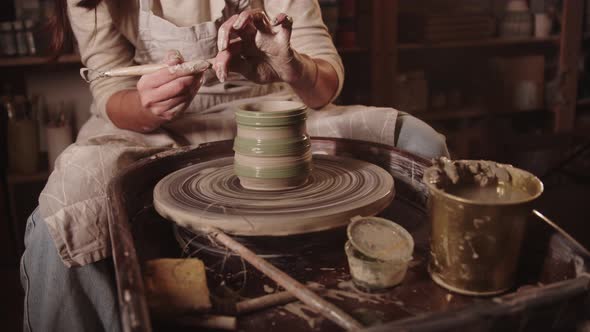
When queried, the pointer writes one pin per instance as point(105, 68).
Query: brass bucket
point(475, 245)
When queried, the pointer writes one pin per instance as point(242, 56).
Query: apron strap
point(145, 5)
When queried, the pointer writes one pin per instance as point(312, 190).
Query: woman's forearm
point(318, 82)
point(126, 112)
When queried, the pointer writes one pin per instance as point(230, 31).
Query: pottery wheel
point(209, 194)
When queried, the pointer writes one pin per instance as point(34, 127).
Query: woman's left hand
point(262, 53)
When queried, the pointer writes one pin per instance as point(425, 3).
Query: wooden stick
point(263, 302)
point(306, 296)
point(266, 301)
point(208, 321)
point(563, 233)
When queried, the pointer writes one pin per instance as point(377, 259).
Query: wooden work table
point(547, 293)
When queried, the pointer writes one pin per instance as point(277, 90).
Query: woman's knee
point(415, 136)
point(81, 173)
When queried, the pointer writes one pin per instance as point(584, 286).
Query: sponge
point(176, 286)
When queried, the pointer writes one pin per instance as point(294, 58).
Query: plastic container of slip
point(378, 252)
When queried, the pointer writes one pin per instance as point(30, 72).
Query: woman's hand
point(262, 53)
point(159, 97)
point(166, 93)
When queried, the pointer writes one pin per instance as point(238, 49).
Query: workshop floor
point(565, 200)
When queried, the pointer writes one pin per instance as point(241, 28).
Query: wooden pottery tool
point(478, 211)
point(216, 322)
point(210, 194)
point(297, 289)
point(263, 302)
point(563, 233)
point(190, 67)
point(272, 148)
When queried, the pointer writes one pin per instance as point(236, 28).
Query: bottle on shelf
point(21, 38)
point(22, 136)
point(7, 40)
point(30, 37)
point(517, 21)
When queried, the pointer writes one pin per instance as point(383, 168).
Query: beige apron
point(74, 202)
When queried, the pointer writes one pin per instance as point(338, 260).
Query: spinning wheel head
point(209, 194)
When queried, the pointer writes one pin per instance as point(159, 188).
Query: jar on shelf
point(21, 38)
point(7, 40)
point(22, 137)
point(30, 37)
point(410, 92)
point(517, 21)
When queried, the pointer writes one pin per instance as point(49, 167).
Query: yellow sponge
point(176, 286)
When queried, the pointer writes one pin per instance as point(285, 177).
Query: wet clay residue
point(345, 291)
point(380, 241)
point(475, 180)
point(467, 172)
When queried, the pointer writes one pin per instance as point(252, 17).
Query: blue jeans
point(64, 299)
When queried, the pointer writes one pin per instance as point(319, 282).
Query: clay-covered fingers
point(256, 18)
point(163, 76)
point(250, 40)
point(224, 33)
point(223, 59)
point(283, 20)
point(243, 25)
point(283, 24)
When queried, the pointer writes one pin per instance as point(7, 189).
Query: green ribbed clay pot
point(271, 114)
point(296, 170)
point(279, 129)
point(291, 146)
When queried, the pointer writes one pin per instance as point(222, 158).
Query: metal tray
point(551, 291)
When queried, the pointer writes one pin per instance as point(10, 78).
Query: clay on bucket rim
point(523, 175)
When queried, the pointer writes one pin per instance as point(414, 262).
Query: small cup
point(23, 146)
point(272, 148)
point(378, 252)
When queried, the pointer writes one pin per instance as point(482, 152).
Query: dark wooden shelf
point(492, 42)
point(469, 113)
point(584, 102)
point(13, 179)
point(39, 60)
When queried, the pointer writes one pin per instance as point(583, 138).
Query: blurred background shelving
point(476, 71)
point(479, 72)
point(25, 61)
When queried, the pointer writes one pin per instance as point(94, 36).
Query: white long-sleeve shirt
point(104, 44)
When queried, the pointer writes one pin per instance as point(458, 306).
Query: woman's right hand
point(166, 93)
